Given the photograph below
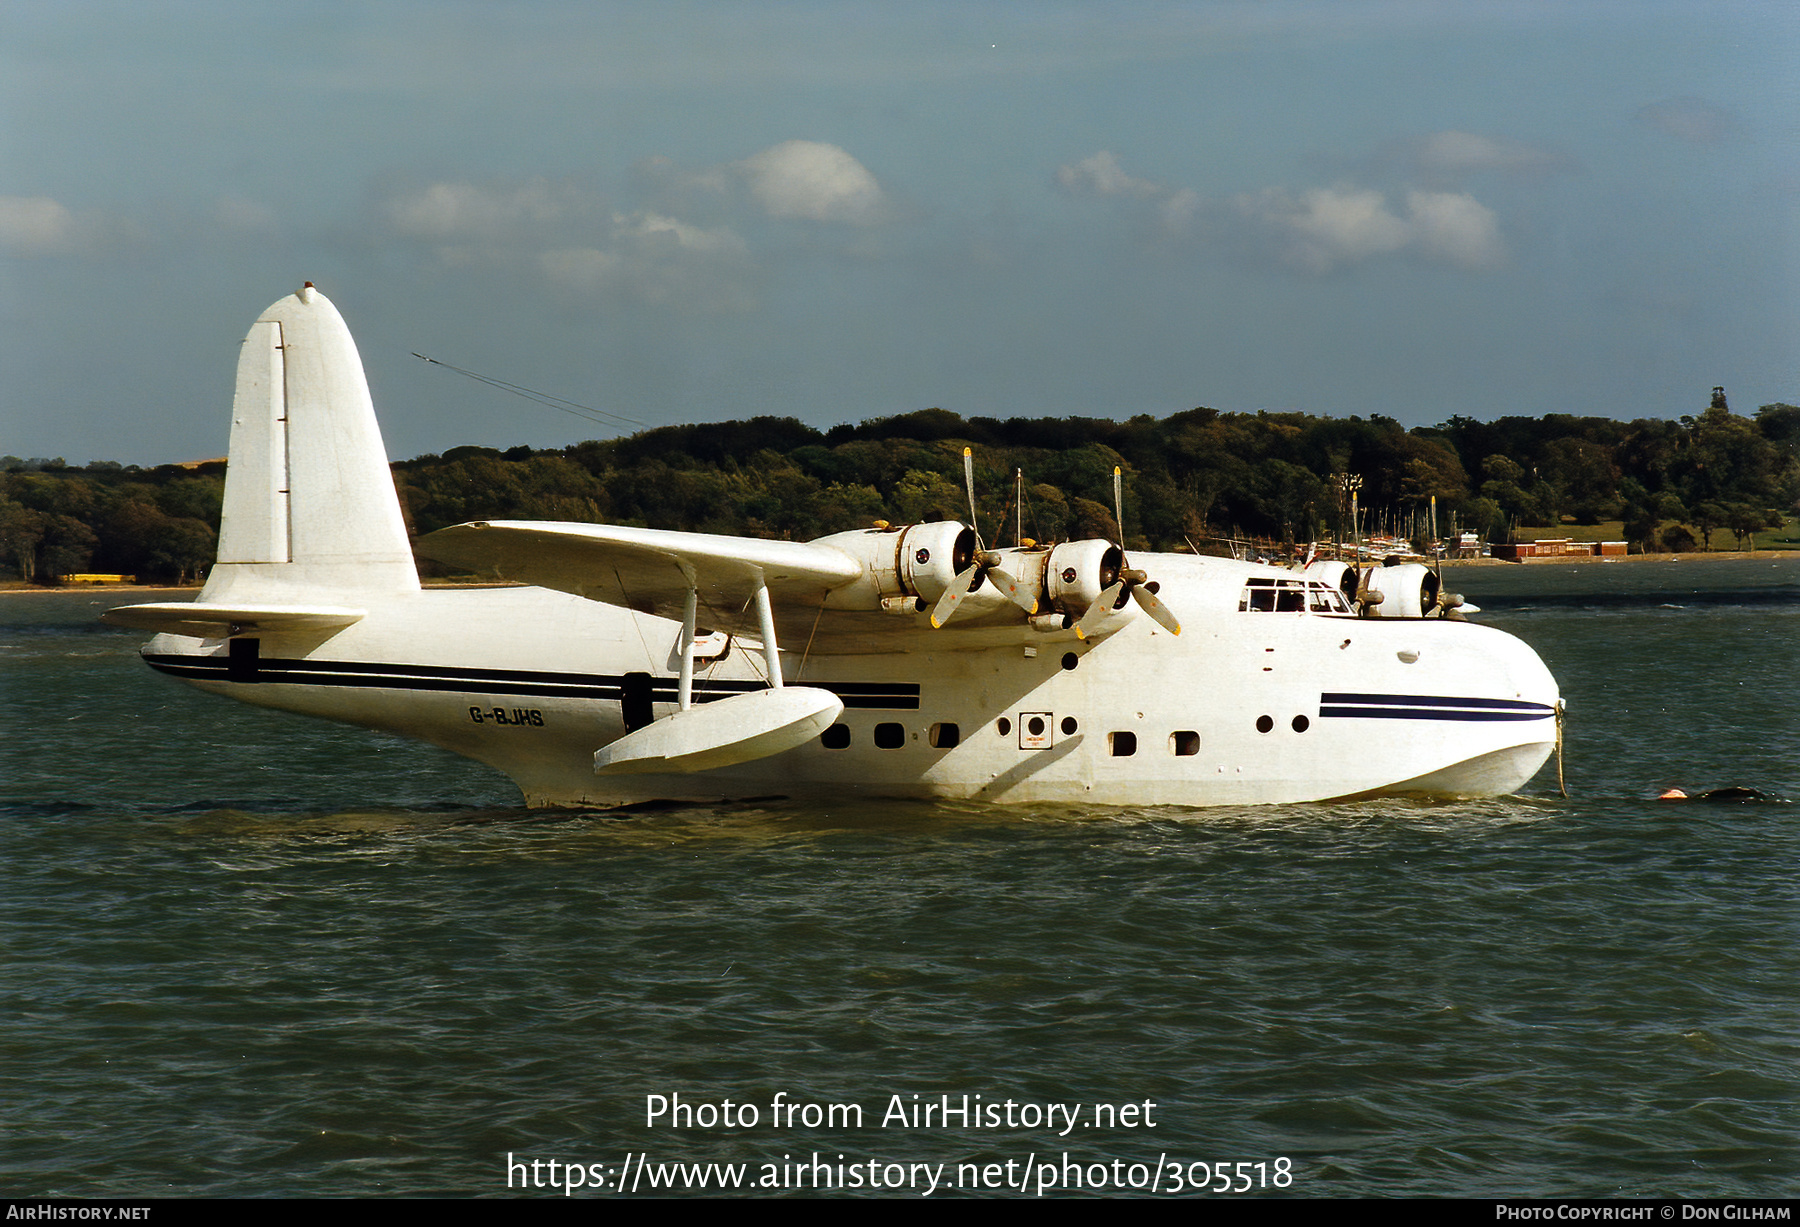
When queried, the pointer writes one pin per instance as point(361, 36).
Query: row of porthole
point(1183, 743)
point(1034, 726)
point(945, 735)
point(891, 735)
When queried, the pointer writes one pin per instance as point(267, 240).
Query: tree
point(21, 529)
point(926, 496)
point(1780, 425)
point(1677, 538)
point(1093, 519)
point(1585, 478)
point(184, 550)
point(1746, 520)
point(67, 546)
point(1708, 518)
point(1638, 509)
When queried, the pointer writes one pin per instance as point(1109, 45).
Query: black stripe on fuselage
point(466, 680)
point(1429, 707)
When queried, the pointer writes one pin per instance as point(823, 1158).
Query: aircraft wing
point(647, 569)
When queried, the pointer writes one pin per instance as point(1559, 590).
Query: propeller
point(986, 565)
point(1131, 585)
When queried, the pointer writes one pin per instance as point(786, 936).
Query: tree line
point(1189, 477)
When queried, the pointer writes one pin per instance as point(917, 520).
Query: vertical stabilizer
point(309, 498)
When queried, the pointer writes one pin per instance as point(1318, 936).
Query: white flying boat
point(635, 664)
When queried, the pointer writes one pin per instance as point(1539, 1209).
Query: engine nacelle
point(932, 555)
point(1340, 575)
point(1077, 572)
point(906, 569)
point(1409, 590)
point(913, 561)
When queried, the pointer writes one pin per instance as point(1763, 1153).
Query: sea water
point(244, 953)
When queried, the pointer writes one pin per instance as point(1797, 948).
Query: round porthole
point(1035, 726)
point(1069, 726)
point(1070, 660)
point(1264, 724)
point(1301, 724)
point(1005, 727)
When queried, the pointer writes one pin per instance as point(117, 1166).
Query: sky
point(686, 212)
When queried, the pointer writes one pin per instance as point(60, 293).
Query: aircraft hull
point(1240, 709)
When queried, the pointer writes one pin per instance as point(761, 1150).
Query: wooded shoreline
point(1195, 478)
point(14, 587)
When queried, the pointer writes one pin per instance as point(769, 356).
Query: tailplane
point(309, 499)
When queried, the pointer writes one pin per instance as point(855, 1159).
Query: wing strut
point(766, 616)
point(684, 691)
point(727, 731)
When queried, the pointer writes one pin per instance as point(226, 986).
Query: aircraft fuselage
point(1243, 707)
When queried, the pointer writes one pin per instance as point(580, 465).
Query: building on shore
point(1558, 547)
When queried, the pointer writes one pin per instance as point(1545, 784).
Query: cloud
point(1327, 228)
point(570, 239)
point(236, 214)
point(32, 226)
point(653, 231)
point(813, 181)
point(1323, 229)
point(586, 270)
point(1101, 175)
point(659, 259)
point(573, 239)
point(1455, 228)
point(1175, 211)
point(1690, 119)
point(35, 226)
point(444, 211)
point(1452, 154)
point(1179, 210)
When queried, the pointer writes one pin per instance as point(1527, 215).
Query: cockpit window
point(1268, 595)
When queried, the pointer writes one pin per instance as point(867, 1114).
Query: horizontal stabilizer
point(223, 621)
point(723, 733)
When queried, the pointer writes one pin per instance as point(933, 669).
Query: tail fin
point(309, 499)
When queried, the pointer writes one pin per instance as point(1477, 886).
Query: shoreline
point(1585, 559)
point(15, 586)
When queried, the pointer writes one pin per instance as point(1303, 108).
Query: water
point(243, 953)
